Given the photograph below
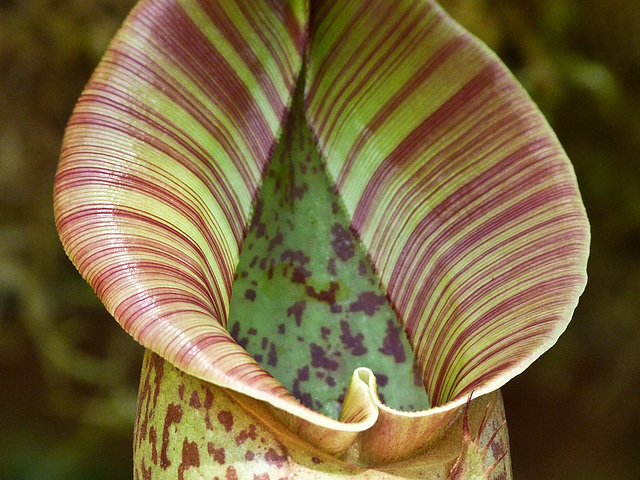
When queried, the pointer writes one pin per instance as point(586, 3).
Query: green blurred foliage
point(68, 374)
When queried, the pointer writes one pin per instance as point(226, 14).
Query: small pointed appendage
point(485, 455)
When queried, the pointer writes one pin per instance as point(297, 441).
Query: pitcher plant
point(337, 226)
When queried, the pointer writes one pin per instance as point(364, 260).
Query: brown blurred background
point(68, 373)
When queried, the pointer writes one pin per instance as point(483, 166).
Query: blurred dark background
point(68, 373)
